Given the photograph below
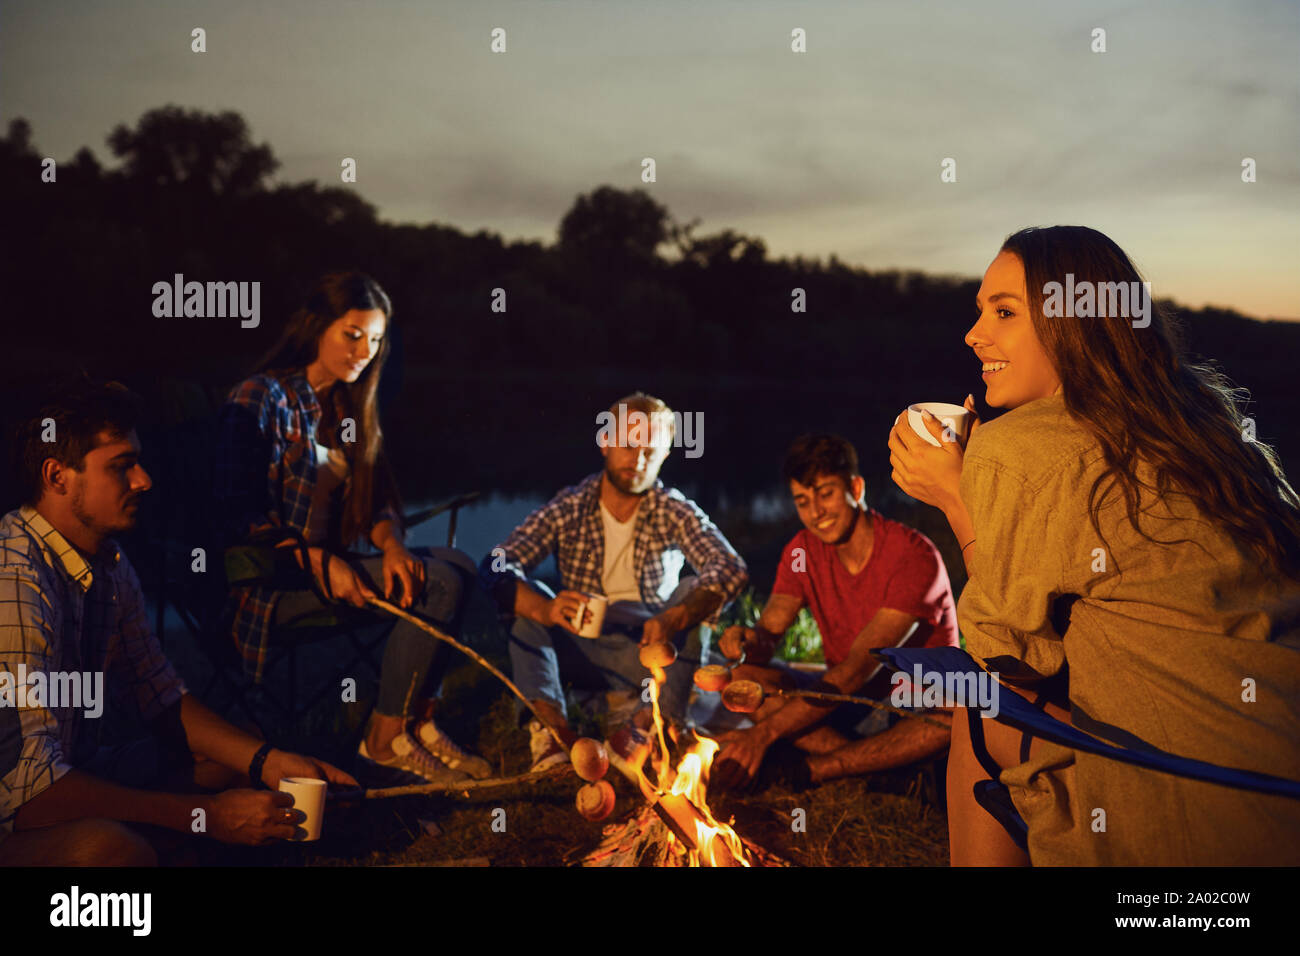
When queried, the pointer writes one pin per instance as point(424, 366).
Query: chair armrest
point(452, 504)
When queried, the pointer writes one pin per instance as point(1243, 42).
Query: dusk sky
point(836, 150)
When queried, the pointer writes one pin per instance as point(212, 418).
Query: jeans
point(611, 661)
point(409, 655)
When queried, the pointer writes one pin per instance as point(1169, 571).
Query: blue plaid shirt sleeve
point(525, 548)
point(717, 565)
point(534, 539)
point(31, 752)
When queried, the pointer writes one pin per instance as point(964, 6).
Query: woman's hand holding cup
point(928, 472)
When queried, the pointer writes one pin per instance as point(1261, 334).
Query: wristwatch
point(255, 767)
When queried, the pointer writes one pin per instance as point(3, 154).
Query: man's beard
point(625, 487)
point(93, 524)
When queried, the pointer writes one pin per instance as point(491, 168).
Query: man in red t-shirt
point(869, 582)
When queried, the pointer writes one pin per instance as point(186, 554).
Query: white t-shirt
point(331, 473)
point(618, 579)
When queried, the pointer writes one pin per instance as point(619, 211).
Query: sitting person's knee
point(443, 587)
point(529, 632)
point(100, 842)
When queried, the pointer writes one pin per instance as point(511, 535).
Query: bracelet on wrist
point(255, 767)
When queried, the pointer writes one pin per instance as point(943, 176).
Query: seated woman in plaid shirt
point(302, 449)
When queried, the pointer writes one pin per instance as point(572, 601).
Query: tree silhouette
point(19, 140)
point(613, 226)
point(213, 153)
point(721, 249)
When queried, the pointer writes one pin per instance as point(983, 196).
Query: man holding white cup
point(72, 792)
point(620, 539)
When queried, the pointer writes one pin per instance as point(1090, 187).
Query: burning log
point(645, 840)
point(689, 825)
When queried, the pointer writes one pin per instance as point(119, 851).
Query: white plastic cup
point(596, 604)
point(954, 417)
point(309, 797)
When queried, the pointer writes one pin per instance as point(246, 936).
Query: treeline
point(624, 286)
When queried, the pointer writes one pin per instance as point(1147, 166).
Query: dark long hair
point(1144, 401)
point(330, 298)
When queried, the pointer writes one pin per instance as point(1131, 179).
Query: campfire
point(676, 827)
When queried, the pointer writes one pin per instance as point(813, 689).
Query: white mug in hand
point(596, 604)
point(309, 797)
point(954, 419)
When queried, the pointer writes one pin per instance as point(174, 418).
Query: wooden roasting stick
point(850, 699)
point(432, 631)
point(466, 786)
point(745, 696)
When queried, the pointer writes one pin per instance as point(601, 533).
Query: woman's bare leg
point(974, 837)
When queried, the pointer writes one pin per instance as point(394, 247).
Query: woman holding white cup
point(1118, 521)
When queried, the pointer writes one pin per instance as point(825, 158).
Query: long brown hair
point(330, 298)
point(1144, 401)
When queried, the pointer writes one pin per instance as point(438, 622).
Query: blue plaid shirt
point(670, 530)
point(62, 612)
point(265, 476)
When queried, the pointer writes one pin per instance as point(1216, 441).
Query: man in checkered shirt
point(621, 534)
point(70, 603)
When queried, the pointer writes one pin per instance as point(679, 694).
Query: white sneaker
point(546, 751)
point(408, 755)
point(446, 750)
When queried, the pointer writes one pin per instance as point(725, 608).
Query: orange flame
point(716, 844)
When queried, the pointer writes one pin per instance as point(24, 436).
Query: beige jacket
point(1164, 645)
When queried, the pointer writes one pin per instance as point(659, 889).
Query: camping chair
point(1017, 712)
point(268, 559)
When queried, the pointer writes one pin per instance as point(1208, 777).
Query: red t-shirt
point(904, 573)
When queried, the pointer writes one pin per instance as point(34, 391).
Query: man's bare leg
point(908, 741)
point(818, 739)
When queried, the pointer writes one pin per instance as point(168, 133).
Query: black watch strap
point(255, 767)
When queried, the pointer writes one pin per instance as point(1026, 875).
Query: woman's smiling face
point(1016, 369)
